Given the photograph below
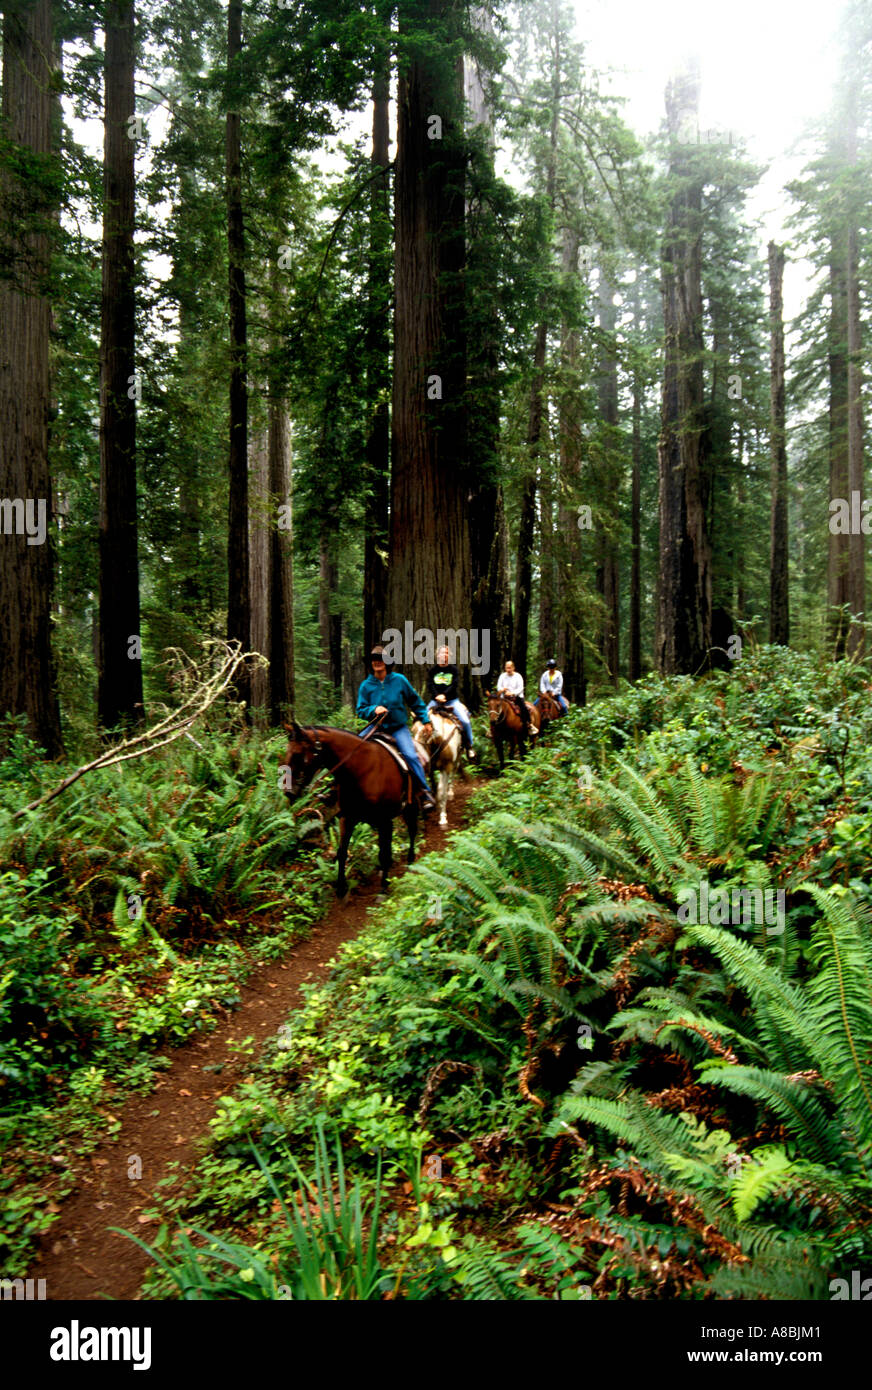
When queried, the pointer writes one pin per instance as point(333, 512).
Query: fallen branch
point(173, 725)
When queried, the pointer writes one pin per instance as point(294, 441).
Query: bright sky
point(768, 67)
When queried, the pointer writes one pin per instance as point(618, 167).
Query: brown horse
point(507, 727)
point(372, 787)
point(549, 709)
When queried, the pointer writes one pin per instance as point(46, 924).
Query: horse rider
point(511, 683)
point(388, 693)
point(442, 682)
point(551, 682)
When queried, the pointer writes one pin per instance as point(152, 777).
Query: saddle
point(387, 742)
point(448, 715)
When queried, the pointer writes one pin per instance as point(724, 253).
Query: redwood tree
point(238, 603)
point(684, 592)
point(27, 676)
point(779, 600)
point(119, 691)
point(430, 582)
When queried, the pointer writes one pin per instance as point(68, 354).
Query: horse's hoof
point(443, 819)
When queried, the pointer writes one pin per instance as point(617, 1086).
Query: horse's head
point(495, 708)
point(301, 761)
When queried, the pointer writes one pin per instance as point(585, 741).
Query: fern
point(768, 1169)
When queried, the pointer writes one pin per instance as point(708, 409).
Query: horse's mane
point(327, 729)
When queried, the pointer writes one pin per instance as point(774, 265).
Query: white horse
point(445, 744)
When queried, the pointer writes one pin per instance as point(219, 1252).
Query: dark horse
point(371, 787)
point(549, 709)
point(506, 725)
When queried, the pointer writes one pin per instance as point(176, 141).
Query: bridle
point(501, 717)
point(319, 749)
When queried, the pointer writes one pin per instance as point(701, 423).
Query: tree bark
point(779, 597)
point(119, 690)
point(608, 584)
point(378, 444)
point(857, 546)
point(281, 570)
point(27, 674)
point(258, 564)
point(527, 524)
point(238, 599)
point(567, 646)
point(491, 597)
point(547, 574)
point(329, 624)
point(684, 590)
point(634, 655)
point(839, 555)
point(430, 580)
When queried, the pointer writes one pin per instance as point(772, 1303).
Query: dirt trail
point(79, 1257)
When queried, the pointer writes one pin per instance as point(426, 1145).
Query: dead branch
point(206, 690)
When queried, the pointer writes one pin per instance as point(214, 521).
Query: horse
point(506, 725)
point(549, 709)
point(444, 745)
point(371, 787)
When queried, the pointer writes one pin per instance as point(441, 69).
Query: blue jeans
point(402, 737)
point(462, 714)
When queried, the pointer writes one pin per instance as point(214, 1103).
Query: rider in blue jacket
point(389, 693)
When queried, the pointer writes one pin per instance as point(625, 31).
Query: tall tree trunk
point(491, 597)
point(567, 646)
point(779, 599)
point(329, 624)
point(527, 524)
point(378, 444)
point(27, 674)
point(839, 556)
point(119, 690)
point(430, 581)
point(258, 564)
point(634, 655)
point(238, 600)
point(607, 548)
point(281, 570)
point(547, 568)
point(857, 547)
point(740, 505)
point(684, 591)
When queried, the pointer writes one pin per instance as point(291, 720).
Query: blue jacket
point(395, 693)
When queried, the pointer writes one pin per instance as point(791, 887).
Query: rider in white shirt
point(511, 683)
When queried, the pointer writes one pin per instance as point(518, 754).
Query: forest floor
point(79, 1257)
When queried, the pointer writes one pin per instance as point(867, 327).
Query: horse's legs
point(346, 829)
point(410, 816)
point(444, 790)
point(385, 850)
point(501, 751)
